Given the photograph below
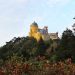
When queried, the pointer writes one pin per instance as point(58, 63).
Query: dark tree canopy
point(67, 45)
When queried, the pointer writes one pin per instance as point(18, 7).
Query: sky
point(17, 15)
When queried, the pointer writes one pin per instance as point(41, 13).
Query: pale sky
point(17, 15)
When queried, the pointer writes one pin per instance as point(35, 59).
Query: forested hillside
point(24, 55)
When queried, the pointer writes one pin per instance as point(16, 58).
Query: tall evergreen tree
point(67, 45)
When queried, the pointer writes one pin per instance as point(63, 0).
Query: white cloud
point(53, 3)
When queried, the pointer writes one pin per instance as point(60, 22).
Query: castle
point(38, 33)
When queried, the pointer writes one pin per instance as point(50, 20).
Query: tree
point(67, 45)
point(67, 40)
point(22, 46)
point(41, 48)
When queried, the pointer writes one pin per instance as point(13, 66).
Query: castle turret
point(46, 29)
point(33, 28)
point(34, 31)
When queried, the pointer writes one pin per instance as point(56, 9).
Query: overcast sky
point(17, 15)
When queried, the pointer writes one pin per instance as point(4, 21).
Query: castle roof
point(34, 24)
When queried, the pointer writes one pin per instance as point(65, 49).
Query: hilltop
point(26, 55)
point(29, 48)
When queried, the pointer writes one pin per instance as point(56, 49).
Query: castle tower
point(46, 29)
point(33, 28)
point(34, 31)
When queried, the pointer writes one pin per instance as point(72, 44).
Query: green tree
point(67, 45)
point(41, 48)
point(68, 40)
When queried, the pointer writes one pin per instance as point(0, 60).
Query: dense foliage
point(26, 56)
point(29, 48)
point(23, 46)
point(15, 66)
point(66, 49)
